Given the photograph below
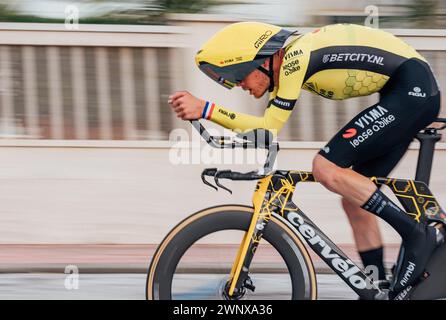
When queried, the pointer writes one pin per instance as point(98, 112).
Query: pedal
point(384, 287)
point(382, 284)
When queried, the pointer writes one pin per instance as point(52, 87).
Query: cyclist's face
point(256, 82)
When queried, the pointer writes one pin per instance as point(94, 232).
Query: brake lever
point(218, 175)
point(209, 172)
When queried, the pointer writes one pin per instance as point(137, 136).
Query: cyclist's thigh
point(377, 131)
point(382, 165)
point(381, 128)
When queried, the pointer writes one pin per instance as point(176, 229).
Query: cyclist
point(336, 62)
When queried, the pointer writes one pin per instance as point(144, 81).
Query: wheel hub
point(238, 294)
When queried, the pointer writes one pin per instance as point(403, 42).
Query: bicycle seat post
point(428, 138)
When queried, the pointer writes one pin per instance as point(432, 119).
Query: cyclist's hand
point(186, 106)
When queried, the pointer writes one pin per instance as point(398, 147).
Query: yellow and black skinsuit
point(337, 62)
point(343, 61)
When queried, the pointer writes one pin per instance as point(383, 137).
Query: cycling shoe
point(416, 251)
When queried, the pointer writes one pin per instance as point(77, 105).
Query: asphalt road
point(131, 286)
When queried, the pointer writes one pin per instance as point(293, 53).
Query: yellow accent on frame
point(257, 200)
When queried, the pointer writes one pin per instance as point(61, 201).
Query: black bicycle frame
point(428, 138)
point(319, 242)
point(417, 200)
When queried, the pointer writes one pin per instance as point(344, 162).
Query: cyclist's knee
point(325, 171)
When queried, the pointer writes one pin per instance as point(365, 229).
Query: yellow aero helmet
point(238, 49)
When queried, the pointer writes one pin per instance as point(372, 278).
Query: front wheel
point(194, 260)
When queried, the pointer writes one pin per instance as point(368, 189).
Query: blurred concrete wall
point(112, 82)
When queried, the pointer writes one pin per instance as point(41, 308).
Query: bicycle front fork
point(267, 198)
point(251, 240)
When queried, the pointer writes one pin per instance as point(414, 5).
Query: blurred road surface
point(113, 258)
point(126, 286)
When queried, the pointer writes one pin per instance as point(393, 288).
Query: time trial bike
point(276, 223)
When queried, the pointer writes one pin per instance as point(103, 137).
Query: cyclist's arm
point(273, 119)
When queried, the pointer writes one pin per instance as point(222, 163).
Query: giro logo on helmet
point(262, 38)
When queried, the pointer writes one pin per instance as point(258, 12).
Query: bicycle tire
point(230, 217)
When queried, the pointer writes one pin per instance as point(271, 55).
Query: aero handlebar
point(258, 138)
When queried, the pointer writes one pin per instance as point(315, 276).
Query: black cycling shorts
point(375, 140)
